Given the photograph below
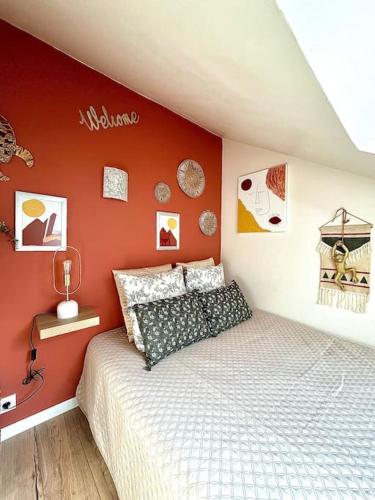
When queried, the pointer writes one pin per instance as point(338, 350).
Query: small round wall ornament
point(190, 177)
point(162, 192)
point(208, 222)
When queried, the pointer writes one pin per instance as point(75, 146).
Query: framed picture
point(41, 222)
point(167, 231)
point(261, 203)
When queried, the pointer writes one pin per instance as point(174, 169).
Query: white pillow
point(204, 279)
point(143, 289)
point(197, 263)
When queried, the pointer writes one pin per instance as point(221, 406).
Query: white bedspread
point(269, 410)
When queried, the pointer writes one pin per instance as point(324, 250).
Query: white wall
point(279, 272)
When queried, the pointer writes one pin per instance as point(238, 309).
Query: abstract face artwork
point(40, 222)
point(167, 231)
point(262, 201)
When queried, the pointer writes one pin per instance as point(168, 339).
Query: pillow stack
point(143, 271)
point(143, 288)
point(168, 309)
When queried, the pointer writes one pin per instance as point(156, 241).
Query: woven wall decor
point(9, 147)
point(208, 222)
point(345, 260)
point(190, 177)
point(162, 192)
point(115, 183)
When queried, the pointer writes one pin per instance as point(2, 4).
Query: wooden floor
point(56, 460)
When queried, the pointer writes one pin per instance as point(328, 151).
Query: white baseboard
point(37, 418)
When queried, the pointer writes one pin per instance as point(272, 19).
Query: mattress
point(270, 409)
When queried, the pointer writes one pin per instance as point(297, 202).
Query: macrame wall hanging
point(345, 258)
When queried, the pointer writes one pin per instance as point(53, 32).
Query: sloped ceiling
point(338, 40)
point(231, 66)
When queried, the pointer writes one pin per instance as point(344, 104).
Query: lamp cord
point(37, 373)
point(32, 374)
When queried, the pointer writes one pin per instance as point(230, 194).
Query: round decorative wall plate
point(162, 192)
point(208, 222)
point(190, 177)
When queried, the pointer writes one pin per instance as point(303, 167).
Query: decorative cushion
point(169, 325)
point(204, 279)
point(148, 288)
point(143, 271)
point(197, 263)
point(224, 308)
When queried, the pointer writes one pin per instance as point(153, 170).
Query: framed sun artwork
point(262, 201)
point(167, 231)
point(41, 222)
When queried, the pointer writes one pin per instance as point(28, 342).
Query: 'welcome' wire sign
point(95, 121)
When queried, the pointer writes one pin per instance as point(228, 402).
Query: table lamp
point(67, 308)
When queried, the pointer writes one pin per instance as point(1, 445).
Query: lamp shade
point(67, 308)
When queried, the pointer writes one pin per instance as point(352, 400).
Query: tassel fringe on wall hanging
point(345, 258)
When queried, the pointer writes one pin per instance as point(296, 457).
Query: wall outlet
point(7, 404)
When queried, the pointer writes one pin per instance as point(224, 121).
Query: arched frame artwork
point(262, 201)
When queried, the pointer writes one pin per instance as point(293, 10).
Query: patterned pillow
point(142, 271)
point(169, 325)
point(142, 289)
point(224, 308)
point(204, 279)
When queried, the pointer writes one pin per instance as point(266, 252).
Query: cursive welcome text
point(93, 121)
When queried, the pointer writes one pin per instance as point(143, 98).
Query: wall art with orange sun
point(41, 222)
point(167, 231)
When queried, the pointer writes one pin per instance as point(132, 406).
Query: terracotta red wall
point(41, 92)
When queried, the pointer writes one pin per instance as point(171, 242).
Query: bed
point(270, 409)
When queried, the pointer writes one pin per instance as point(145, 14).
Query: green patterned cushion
point(224, 308)
point(168, 325)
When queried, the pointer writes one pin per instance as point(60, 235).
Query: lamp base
point(67, 309)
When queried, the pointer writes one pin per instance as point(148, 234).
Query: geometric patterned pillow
point(169, 325)
point(204, 279)
point(224, 308)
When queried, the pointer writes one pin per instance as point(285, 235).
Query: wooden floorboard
point(56, 460)
point(99, 470)
point(17, 468)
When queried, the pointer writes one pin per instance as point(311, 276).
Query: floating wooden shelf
point(49, 326)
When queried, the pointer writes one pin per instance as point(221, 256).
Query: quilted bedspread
point(270, 409)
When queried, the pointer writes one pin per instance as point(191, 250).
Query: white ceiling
point(232, 66)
